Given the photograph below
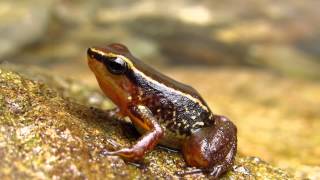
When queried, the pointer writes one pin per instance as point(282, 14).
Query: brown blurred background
point(256, 61)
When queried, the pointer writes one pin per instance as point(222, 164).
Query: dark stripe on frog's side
point(161, 78)
point(175, 113)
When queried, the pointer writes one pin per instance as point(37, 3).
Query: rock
point(306, 172)
point(22, 23)
point(46, 132)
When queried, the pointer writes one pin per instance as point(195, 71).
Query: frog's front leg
point(212, 148)
point(148, 141)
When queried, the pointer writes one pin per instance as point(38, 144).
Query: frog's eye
point(116, 65)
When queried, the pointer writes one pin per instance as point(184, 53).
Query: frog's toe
point(122, 152)
point(109, 153)
point(186, 172)
point(217, 171)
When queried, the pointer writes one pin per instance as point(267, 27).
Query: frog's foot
point(127, 153)
point(213, 148)
point(136, 163)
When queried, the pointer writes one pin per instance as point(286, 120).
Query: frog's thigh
point(212, 148)
point(147, 141)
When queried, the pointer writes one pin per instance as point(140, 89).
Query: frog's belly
point(170, 139)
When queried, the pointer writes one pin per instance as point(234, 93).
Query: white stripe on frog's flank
point(109, 54)
point(197, 124)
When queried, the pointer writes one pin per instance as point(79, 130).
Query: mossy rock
point(49, 130)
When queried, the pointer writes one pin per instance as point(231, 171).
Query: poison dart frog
point(163, 111)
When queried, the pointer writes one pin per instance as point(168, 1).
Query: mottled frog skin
point(164, 111)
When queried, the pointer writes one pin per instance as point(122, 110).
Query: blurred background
point(255, 61)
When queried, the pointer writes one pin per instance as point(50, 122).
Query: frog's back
point(152, 75)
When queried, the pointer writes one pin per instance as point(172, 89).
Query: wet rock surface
point(44, 134)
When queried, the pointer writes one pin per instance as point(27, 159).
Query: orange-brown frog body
point(164, 111)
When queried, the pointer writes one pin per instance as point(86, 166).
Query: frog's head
point(111, 65)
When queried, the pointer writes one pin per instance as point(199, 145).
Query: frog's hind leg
point(212, 149)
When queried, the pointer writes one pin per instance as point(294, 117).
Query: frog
point(164, 111)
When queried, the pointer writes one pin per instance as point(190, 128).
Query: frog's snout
point(90, 52)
